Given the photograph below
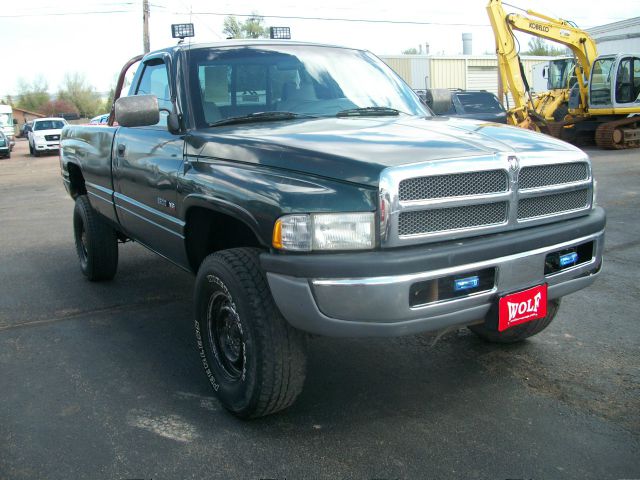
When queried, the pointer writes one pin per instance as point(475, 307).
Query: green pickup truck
point(310, 191)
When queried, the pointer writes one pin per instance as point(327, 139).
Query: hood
point(358, 149)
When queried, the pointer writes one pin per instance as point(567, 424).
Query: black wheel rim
point(83, 253)
point(226, 337)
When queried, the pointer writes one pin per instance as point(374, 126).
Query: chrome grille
point(553, 204)
point(546, 175)
point(468, 196)
point(454, 185)
point(455, 218)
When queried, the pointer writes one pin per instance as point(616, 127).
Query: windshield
point(307, 80)
point(48, 125)
point(479, 102)
point(600, 85)
point(6, 119)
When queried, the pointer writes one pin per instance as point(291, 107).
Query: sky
point(96, 37)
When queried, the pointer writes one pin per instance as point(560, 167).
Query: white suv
point(45, 135)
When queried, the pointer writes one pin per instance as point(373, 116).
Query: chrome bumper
point(379, 306)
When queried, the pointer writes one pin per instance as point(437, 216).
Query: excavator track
point(611, 135)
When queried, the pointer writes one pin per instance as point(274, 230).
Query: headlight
point(325, 231)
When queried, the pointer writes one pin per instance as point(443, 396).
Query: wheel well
point(77, 186)
point(208, 231)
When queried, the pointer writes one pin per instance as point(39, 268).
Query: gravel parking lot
point(103, 380)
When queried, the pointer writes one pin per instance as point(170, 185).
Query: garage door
point(485, 78)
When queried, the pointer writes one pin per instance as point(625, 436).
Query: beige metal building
point(467, 72)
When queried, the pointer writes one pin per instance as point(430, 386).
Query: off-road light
point(280, 33)
point(182, 30)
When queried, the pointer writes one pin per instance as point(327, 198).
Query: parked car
point(474, 104)
point(100, 119)
point(45, 135)
point(25, 129)
point(5, 146)
point(7, 124)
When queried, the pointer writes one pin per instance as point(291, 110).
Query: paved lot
point(103, 381)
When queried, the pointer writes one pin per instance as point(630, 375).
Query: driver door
point(146, 164)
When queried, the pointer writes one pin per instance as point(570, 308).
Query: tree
point(31, 96)
point(252, 27)
point(410, 51)
point(108, 103)
point(57, 107)
point(77, 90)
point(232, 28)
point(538, 46)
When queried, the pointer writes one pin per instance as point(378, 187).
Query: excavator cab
point(561, 73)
point(615, 84)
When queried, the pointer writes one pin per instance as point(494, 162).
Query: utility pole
point(145, 25)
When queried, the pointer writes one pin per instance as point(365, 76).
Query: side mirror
point(173, 123)
point(137, 111)
point(439, 100)
point(545, 72)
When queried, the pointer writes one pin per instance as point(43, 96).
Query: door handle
point(121, 149)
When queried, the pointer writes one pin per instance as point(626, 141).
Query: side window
point(624, 82)
point(155, 81)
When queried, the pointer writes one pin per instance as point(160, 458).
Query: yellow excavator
point(599, 97)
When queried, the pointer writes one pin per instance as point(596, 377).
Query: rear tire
point(519, 332)
point(254, 360)
point(96, 242)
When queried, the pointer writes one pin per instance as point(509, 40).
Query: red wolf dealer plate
point(522, 307)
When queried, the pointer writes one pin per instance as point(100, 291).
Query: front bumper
point(368, 294)
point(47, 145)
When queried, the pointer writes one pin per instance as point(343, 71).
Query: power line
point(286, 17)
point(199, 18)
point(62, 14)
point(336, 19)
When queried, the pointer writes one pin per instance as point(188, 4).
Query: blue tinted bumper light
point(466, 283)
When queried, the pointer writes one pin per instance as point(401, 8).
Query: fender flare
point(220, 205)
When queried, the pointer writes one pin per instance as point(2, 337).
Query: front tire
point(254, 360)
point(96, 242)
point(519, 332)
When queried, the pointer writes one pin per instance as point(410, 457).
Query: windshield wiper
point(260, 117)
point(369, 112)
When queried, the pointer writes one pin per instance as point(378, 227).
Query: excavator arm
point(557, 30)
